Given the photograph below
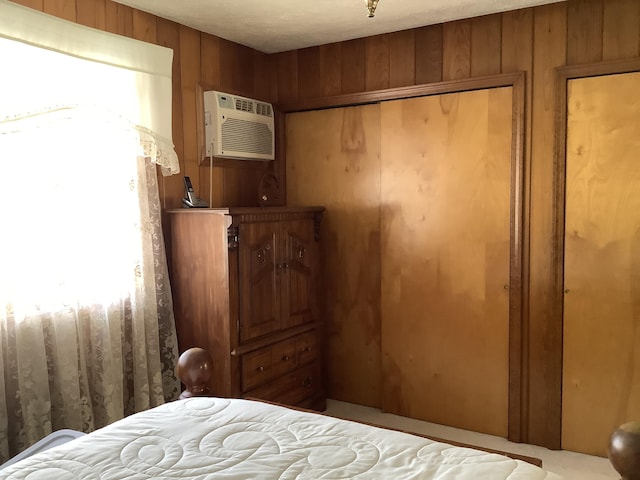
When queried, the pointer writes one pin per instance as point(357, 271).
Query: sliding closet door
point(446, 168)
point(333, 159)
point(601, 366)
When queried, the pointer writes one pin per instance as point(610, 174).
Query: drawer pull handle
point(260, 369)
point(307, 349)
point(285, 358)
point(307, 382)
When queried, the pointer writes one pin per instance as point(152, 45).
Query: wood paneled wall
point(199, 59)
point(534, 40)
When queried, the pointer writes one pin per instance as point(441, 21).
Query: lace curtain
point(87, 333)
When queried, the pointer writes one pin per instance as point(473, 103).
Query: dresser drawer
point(268, 363)
point(307, 347)
point(292, 388)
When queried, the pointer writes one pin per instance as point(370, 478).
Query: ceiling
point(272, 26)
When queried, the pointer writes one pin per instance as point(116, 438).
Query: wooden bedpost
point(194, 371)
point(624, 450)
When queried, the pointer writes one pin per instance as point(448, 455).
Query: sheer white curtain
point(87, 333)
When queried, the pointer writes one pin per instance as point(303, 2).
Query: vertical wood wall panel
point(144, 26)
point(92, 13)
point(35, 4)
point(545, 367)
point(584, 30)
point(428, 52)
point(331, 69)
point(168, 35)
point(621, 33)
point(402, 59)
point(353, 66)
point(210, 60)
point(309, 72)
point(287, 75)
point(377, 62)
point(517, 55)
point(486, 41)
point(265, 77)
point(111, 16)
point(456, 45)
point(61, 8)
point(189, 78)
point(570, 32)
point(125, 20)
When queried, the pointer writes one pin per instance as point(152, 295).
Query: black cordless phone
point(191, 200)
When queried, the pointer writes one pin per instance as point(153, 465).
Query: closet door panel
point(333, 159)
point(601, 344)
point(445, 190)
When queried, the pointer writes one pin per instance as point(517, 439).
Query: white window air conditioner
point(238, 127)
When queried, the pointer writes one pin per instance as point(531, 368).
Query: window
point(86, 319)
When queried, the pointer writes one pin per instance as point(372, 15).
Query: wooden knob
point(624, 450)
point(195, 369)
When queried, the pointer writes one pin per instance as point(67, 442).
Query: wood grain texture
point(61, 8)
point(92, 13)
point(189, 78)
point(265, 78)
point(456, 45)
point(124, 21)
point(545, 330)
point(144, 26)
point(331, 69)
point(111, 12)
point(428, 52)
point(200, 289)
point(601, 372)
point(35, 4)
point(584, 30)
point(486, 43)
point(621, 32)
point(517, 53)
point(210, 61)
point(171, 188)
point(309, 72)
point(353, 66)
point(287, 74)
point(377, 62)
point(445, 258)
point(402, 58)
point(334, 155)
point(517, 41)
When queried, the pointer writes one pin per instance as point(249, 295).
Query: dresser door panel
point(297, 281)
point(259, 303)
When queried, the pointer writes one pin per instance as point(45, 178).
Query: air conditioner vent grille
point(246, 136)
point(244, 105)
point(264, 109)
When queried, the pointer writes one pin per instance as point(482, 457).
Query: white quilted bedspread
point(213, 438)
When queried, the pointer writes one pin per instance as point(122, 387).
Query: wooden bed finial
point(624, 450)
point(194, 370)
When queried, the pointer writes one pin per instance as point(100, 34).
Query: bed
point(220, 438)
point(205, 438)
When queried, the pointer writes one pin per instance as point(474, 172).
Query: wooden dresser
point(246, 285)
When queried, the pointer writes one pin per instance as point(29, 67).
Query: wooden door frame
point(519, 212)
point(556, 319)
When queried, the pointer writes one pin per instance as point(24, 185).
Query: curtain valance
point(78, 66)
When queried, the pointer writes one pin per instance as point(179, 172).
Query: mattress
point(214, 438)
